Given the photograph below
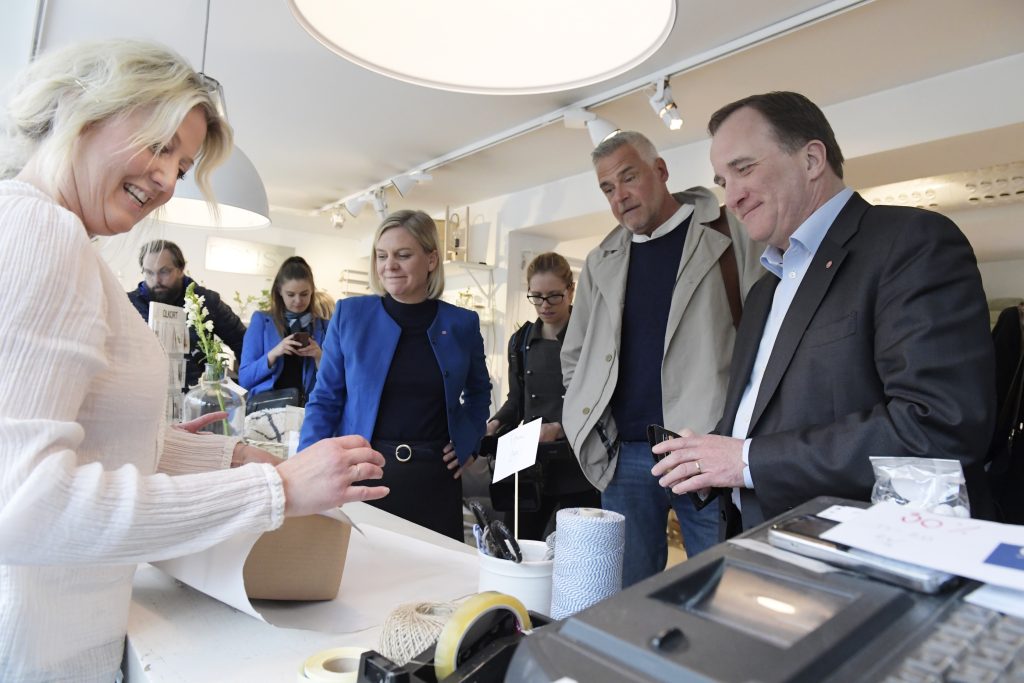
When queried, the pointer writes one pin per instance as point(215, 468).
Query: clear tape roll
point(462, 621)
point(337, 665)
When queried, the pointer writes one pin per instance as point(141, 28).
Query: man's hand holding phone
point(657, 434)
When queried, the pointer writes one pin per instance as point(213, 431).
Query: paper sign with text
point(517, 450)
point(984, 551)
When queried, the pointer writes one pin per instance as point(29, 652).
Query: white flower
point(208, 325)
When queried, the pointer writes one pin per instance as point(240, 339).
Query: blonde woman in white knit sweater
point(91, 480)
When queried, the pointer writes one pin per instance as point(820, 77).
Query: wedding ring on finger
point(699, 470)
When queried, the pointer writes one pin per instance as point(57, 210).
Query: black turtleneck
point(412, 405)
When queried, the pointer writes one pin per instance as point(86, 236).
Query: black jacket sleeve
point(226, 324)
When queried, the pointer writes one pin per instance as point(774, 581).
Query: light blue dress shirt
point(790, 267)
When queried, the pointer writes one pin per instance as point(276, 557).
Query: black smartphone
point(655, 435)
point(302, 338)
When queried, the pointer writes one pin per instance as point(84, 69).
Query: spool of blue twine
point(588, 559)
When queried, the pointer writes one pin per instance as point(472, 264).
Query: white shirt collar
point(681, 214)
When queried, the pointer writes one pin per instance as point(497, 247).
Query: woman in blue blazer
point(282, 347)
point(406, 371)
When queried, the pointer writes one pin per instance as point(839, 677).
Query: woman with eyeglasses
point(536, 390)
point(92, 479)
point(406, 370)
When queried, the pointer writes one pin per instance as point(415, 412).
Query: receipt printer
point(738, 612)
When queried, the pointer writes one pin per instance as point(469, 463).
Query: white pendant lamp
point(236, 185)
point(241, 198)
point(491, 48)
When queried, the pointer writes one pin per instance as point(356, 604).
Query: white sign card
point(517, 450)
point(984, 551)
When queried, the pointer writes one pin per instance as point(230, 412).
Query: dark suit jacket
point(885, 351)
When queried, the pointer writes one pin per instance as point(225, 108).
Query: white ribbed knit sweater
point(82, 440)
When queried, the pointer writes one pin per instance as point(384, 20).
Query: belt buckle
point(408, 450)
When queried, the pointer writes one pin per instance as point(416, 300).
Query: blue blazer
point(261, 337)
point(360, 344)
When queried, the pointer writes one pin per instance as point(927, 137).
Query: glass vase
point(214, 393)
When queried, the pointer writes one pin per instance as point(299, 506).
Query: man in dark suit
point(868, 337)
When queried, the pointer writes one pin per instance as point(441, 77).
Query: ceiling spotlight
point(380, 204)
point(355, 205)
point(665, 107)
point(404, 183)
point(599, 129)
point(337, 219)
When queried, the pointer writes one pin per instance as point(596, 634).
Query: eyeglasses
point(553, 299)
point(162, 273)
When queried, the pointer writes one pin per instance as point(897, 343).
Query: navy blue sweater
point(653, 265)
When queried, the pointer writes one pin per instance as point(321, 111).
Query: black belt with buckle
point(404, 450)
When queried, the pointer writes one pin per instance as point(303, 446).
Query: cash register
point(747, 612)
point(738, 612)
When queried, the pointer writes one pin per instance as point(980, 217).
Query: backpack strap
point(730, 270)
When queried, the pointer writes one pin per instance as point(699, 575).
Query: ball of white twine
point(412, 628)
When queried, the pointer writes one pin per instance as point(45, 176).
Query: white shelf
point(469, 266)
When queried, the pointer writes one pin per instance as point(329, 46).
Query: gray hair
point(638, 141)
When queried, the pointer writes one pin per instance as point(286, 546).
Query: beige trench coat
point(698, 339)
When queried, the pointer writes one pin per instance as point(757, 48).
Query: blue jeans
point(635, 493)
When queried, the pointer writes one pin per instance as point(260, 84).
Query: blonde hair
point(423, 228)
point(62, 93)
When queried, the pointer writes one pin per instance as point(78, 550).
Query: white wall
point(1003, 279)
point(327, 256)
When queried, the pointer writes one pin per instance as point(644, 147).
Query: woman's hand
point(193, 426)
point(245, 453)
point(285, 347)
point(321, 476)
point(452, 461)
point(311, 350)
point(551, 431)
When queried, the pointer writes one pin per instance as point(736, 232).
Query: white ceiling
point(320, 129)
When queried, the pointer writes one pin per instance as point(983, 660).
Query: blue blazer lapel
point(824, 266)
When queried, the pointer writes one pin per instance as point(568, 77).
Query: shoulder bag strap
point(730, 270)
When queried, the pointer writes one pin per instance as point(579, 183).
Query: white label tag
point(840, 513)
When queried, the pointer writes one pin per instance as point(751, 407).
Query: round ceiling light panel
point(491, 48)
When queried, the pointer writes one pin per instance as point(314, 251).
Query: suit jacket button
point(445, 373)
point(586, 411)
point(608, 358)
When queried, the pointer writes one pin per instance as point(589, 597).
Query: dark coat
point(226, 325)
point(885, 351)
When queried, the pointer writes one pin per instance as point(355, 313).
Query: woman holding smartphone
point(281, 349)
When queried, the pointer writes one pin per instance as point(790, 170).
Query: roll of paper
point(337, 665)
